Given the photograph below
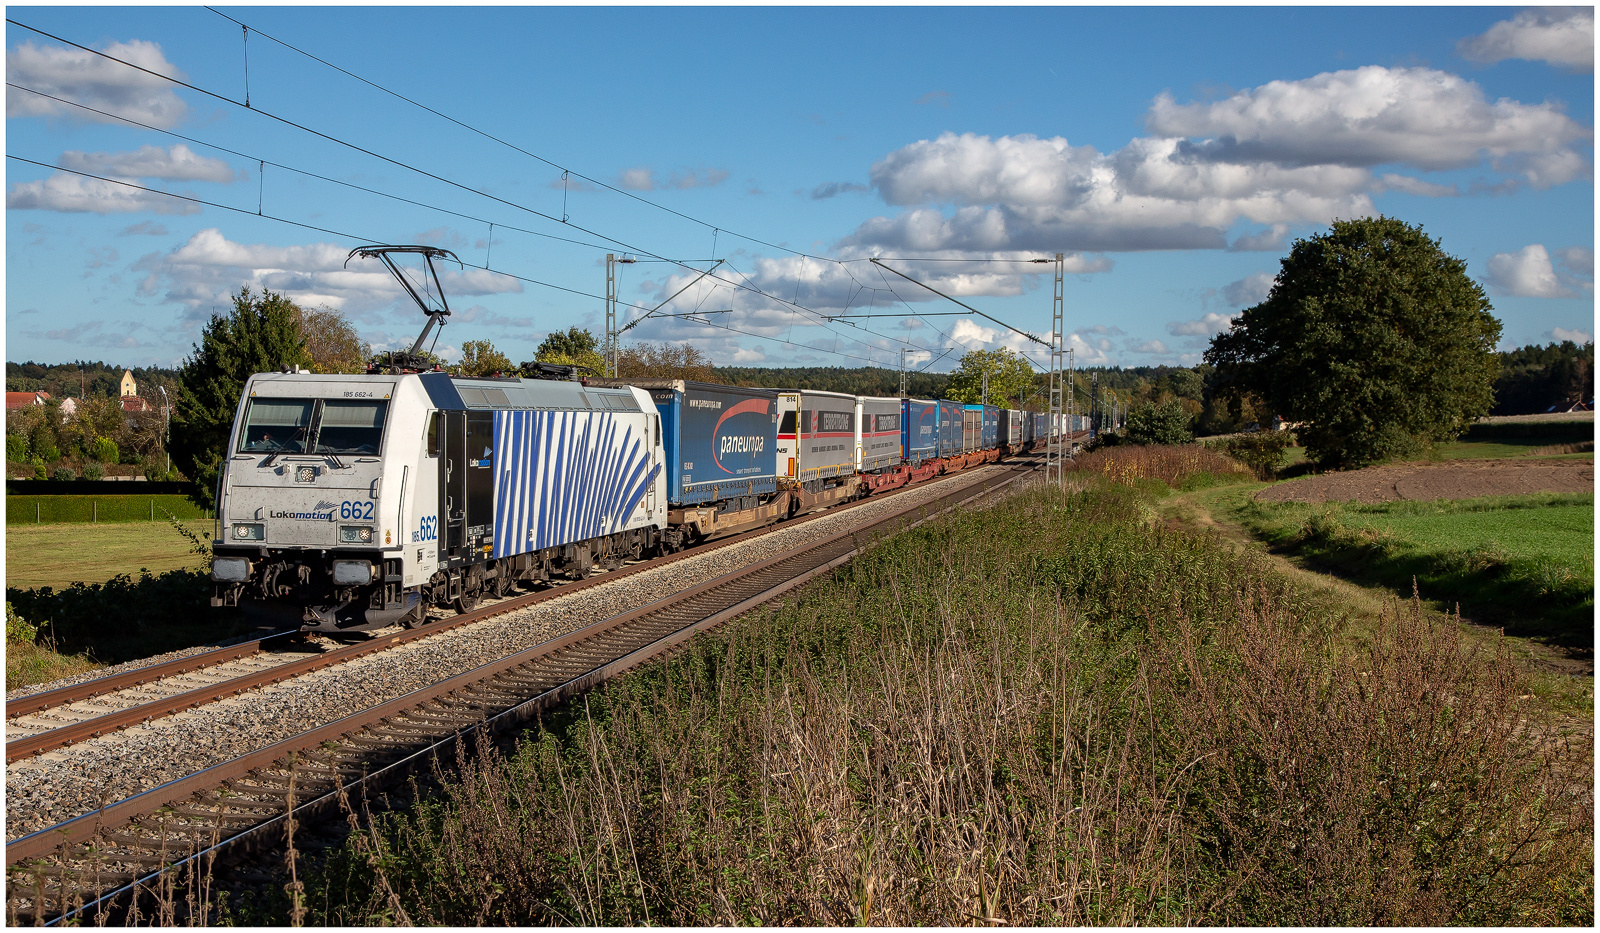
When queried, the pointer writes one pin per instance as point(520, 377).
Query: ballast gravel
point(60, 785)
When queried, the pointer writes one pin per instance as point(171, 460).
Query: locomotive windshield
point(315, 426)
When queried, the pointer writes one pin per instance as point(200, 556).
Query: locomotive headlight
point(249, 531)
point(352, 572)
point(355, 534)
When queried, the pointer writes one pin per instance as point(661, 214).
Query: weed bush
point(1044, 712)
point(127, 617)
point(1171, 465)
point(1264, 452)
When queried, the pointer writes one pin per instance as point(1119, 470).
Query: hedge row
point(52, 510)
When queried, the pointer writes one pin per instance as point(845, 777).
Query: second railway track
point(75, 866)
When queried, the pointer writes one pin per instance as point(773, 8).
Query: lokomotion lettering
point(304, 516)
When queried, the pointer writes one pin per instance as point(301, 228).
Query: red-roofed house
point(24, 399)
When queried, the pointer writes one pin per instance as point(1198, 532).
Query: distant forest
point(1532, 379)
point(86, 380)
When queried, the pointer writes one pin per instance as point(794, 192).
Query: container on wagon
point(877, 430)
point(919, 430)
point(951, 442)
point(721, 442)
point(1010, 425)
point(816, 435)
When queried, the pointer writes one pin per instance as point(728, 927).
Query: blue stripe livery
point(564, 476)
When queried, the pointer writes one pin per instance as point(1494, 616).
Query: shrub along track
point(95, 864)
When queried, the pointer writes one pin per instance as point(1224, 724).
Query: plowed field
point(1451, 479)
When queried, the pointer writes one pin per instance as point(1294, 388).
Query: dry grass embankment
point(1051, 711)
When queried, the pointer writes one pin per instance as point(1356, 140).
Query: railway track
point(93, 865)
point(54, 719)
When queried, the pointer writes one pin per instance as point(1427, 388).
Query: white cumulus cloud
point(1562, 36)
point(1577, 336)
point(208, 268)
point(1365, 117)
point(1287, 152)
point(1272, 239)
point(1528, 273)
point(1250, 290)
point(1209, 325)
point(89, 79)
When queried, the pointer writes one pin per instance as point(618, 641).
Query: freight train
point(347, 503)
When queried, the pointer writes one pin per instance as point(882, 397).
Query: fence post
point(152, 510)
point(94, 511)
point(36, 519)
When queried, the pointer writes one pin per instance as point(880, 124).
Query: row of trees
point(1372, 338)
point(97, 436)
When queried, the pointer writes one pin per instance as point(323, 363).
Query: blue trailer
point(919, 430)
point(721, 442)
point(950, 430)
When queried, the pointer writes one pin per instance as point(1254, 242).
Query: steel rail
point(72, 733)
point(89, 689)
point(774, 576)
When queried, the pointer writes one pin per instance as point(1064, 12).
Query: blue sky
point(1172, 154)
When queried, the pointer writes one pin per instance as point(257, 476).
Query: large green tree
point(260, 334)
point(480, 358)
point(1010, 378)
point(1373, 338)
point(574, 346)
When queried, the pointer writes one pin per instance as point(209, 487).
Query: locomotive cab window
point(315, 426)
point(277, 425)
point(787, 427)
point(351, 427)
point(432, 445)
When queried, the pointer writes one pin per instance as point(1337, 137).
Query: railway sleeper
point(51, 878)
point(443, 718)
point(196, 813)
point(238, 804)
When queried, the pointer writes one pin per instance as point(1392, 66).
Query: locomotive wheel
point(501, 585)
point(417, 617)
point(467, 602)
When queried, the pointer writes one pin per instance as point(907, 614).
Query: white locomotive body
point(352, 502)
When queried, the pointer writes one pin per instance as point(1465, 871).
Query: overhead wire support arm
point(963, 304)
point(641, 319)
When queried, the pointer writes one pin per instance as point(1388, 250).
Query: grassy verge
point(1053, 711)
point(1522, 562)
point(29, 663)
point(47, 510)
point(61, 630)
point(59, 555)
